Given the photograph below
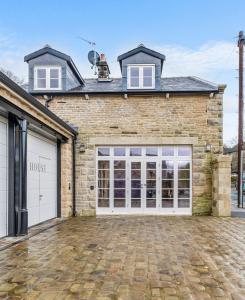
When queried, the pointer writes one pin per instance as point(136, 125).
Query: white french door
point(144, 180)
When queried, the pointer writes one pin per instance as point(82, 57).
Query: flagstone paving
point(129, 258)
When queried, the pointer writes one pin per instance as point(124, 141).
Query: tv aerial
point(93, 56)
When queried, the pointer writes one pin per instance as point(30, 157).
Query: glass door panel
point(136, 184)
point(167, 184)
point(151, 180)
point(103, 183)
point(183, 184)
point(119, 183)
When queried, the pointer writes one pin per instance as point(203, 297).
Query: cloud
point(209, 58)
point(11, 55)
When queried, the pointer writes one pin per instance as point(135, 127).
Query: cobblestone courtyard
point(129, 258)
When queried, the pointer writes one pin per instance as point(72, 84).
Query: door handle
point(40, 197)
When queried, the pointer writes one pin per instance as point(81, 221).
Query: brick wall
point(186, 116)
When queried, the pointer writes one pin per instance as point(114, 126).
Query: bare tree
point(16, 79)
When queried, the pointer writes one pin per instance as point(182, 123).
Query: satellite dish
point(93, 57)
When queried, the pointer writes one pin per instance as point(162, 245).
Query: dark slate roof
point(233, 149)
point(168, 85)
point(51, 51)
point(141, 48)
point(21, 92)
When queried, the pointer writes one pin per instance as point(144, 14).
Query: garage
point(144, 180)
point(41, 178)
point(3, 176)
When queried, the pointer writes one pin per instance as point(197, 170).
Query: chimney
point(103, 69)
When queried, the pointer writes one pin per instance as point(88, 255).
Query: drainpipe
point(21, 177)
point(74, 176)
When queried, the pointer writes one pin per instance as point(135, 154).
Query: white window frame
point(47, 68)
point(159, 209)
point(141, 77)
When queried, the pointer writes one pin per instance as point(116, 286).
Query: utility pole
point(240, 121)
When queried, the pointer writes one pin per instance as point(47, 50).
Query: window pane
point(136, 184)
point(41, 73)
point(151, 165)
point(184, 174)
point(151, 184)
point(151, 151)
point(167, 174)
point(119, 202)
point(147, 82)
point(184, 184)
point(119, 183)
point(41, 83)
point(183, 193)
point(103, 202)
point(135, 152)
point(168, 193)
point(147, 71)
point(103, 184)
point(119, 174)
point(184, 203)
point(54, 83)
point(103, 164)
point(168, 151)
point(104, 174)
point(135, 193)
point(119, 164)
point(151, 194)
point(103, 193)
point(54, 73)
point(135, 203)
point(104, 151)
point(184, 165)
point(150, 202)
point(166, 164)
point(135, 174)
point(119, 151)
point(167, 184)
point(119, 193)
point(136, 165)
point(184, 151)
point(151, 174)
point(134, 82)
point(134, 72)
point(167, 203)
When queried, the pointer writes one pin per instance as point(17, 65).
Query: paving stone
point(129, 258)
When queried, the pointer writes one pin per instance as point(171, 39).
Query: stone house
point(138, 144)
point(145, 144)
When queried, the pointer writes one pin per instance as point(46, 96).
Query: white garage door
point(3, 176)
point(41, 179)
point(144, 180)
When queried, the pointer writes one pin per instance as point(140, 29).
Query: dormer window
point(141, 77)
point(47, 78)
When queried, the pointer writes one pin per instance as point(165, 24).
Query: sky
point(199, 38)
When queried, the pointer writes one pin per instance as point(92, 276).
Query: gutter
point(74, 212)
point(124, 92)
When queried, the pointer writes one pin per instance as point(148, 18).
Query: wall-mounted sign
point(37, 167)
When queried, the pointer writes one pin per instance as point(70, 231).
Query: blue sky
point(197, 37)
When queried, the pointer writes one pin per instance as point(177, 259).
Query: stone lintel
point(116, 140)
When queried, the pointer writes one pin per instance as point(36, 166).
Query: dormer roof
point(47, 49)
point(141, 48)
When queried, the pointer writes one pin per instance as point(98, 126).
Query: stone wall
point(197, 116)
point(66, 179)
point(221, 204)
